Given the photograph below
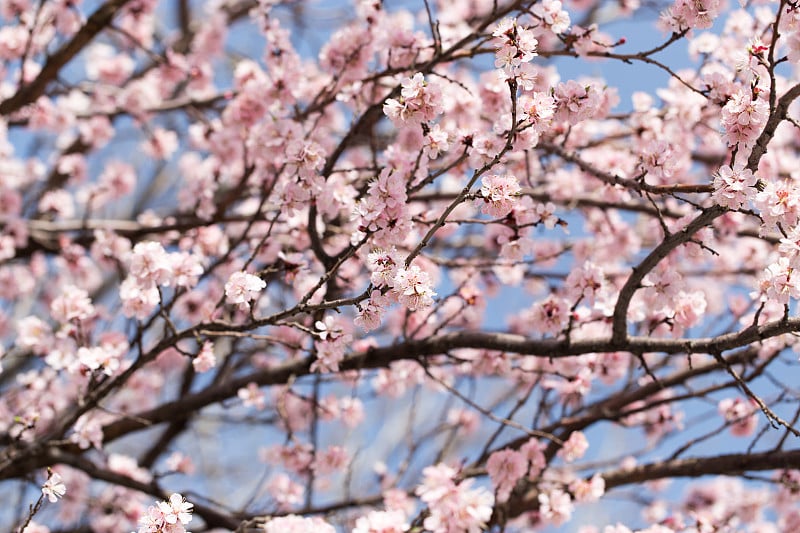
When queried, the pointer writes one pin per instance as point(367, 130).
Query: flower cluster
point(420, 101)
point(151, 267)
point(743, 118)
point(331, 345)
point(384, 211)
point(412, 286)
point(779, 282)
point(242, 288)
point(740, 414)
point(168, 516)
point(505, 468)
point(688, 14)
point(297, 524)
point(498, 195)
point(735, 187)
point(552, 15)
point(515, 48)
point(454, 506)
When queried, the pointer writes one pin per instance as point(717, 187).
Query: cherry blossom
point(412, 287)
point(205, 359)
point(735, 187)
point(742, 415)
point(54, 488)
point(453, 505)
point(498, 195)
point(574, 447)
point(242, 288)
point(297, 524)
point(506, 467)
point(382, 522)
point(169, 515)
point(555, 506)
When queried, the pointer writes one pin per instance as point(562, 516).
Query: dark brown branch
point(210, 516)
point(414, 349)
point(733, 464)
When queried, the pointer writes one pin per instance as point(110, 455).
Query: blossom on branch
point(242, 288)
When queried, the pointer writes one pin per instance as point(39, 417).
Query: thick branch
point(728, 465)
point(441, 344)
point(620, 323)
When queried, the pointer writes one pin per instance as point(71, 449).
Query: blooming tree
point(400, 272)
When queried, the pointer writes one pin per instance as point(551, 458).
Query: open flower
point(54, 487)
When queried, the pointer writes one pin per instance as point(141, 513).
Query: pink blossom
point(740, 414)
point(552, 15)
point(252, 396)
point(383, 264)
point(117, 180)
point(779, 203)
point(128, 467)
point(506, 58)
point(412, 286)
point(296, 458)
point(550, 315)
point(576, 102)
point(242, 288)
point(87, 432)
point(298, 524)
point(34, 333)
point(330, 460)
point(351, 411)
point(689, 308)
point(779, 283)
point(167, 516)
point(574, 447)
point(533, 450)
point(332, 345)
point(176, 510)
point(205, 359)
point(150, 264)
point(436, 142)
point(505, 468)
point(555, 506)
point(453, 506)
point(286, 492)
point(57, 203)
point(371, 311)
point(54, 487)
point(588, 490)
point(178, 462)
point(585, 282)
point(137, 301)
point(382, 522)
point(498, 195)
point(466, 421)
point(420, 101)
point(102, 64)
point(186, 269)
point(735, 187)
point(539, 109)
point(743, 117)
point(99, 358)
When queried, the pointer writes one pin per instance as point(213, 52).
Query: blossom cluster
point(151, 267)
point(454, 505)
point(168, 516)
point(420, 102)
